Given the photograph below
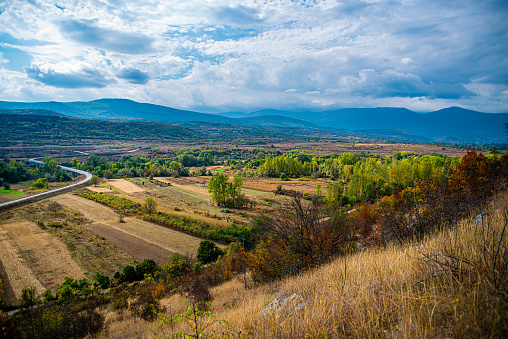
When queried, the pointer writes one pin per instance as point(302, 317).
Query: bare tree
point(307, 234)
point(54, 207)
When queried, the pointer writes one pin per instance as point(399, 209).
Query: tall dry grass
point(451, 284)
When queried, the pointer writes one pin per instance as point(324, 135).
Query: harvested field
point(135, 247)
point(295, 185)
point(166, 238)
point(32, 257)
point(163, 208)
point(126, 186)
point(90, 209)
point(92, 252)
point(186, 186)
point(134, 234)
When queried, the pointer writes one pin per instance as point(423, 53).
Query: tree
point(147, 266)
point(28, 298)
point(208, 252)
point(225, 193)
point(41, 183)
point(150, 206)
point(54, 207)
point(95, 180)
point(302, 236)
point(108, 175)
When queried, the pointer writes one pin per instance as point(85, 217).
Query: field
point(33, 258)
point(295, 185)
point(88, 237)
point(125, 186)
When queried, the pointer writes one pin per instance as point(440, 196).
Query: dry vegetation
point(451, 284)
point(125, 186)
point(301, 186)
point(42, 258)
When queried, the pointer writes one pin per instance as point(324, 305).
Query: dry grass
point(391, 292)
point(90, 209)
point(46, 255)
point(126, 186)
point(419, 290)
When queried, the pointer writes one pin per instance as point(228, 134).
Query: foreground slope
point(451, 284)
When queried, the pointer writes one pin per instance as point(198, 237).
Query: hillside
point(49, 127)
point(450, 125)
point(414, 290)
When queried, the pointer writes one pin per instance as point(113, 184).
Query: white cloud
point(220, 54)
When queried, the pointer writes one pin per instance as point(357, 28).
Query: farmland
point(89, 237)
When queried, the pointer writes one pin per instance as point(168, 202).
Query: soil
point(135, 247)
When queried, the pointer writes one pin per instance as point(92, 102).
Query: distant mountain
point(450, 125)
point(30, 111)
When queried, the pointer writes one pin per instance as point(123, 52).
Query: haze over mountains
point(450, 125)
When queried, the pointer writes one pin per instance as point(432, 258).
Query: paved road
point(88, 176)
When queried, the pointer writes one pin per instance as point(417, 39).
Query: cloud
point(85, 78)
point(226, 54)
point(237, 15)
point(391, 83)
point(89, 33)
point(133, 76)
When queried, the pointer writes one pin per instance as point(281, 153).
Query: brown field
point(166, 239)
point(32, 257)
point(295, 185)
point(126, 186)
point(90, 209)
point(134, 246)
point(189, 186)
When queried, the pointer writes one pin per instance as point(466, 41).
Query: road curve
point(88, 176)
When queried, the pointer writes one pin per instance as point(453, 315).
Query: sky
point(219, 55)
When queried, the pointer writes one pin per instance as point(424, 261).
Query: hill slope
point(49, 127)
point(450, 125)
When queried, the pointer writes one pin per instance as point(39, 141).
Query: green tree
point(95, 180)
point(208, 252)
point(28, 298)
point(41, 183)
point(150, 206)
point(225, 193)
point(129, 273)
point(147, 266)
point(108, 175)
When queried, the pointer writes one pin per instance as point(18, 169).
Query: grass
point(444, 286)
point(452, 284)
point(9, 192)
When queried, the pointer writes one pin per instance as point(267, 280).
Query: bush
point(208, 252)
point(118, 203)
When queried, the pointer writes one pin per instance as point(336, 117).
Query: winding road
point(87, 178)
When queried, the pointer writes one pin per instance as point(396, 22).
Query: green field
point(10, 192)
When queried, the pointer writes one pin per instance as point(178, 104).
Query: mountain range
point(449, 125)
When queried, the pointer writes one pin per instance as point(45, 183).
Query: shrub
point(118, 203)
point(208, 252)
